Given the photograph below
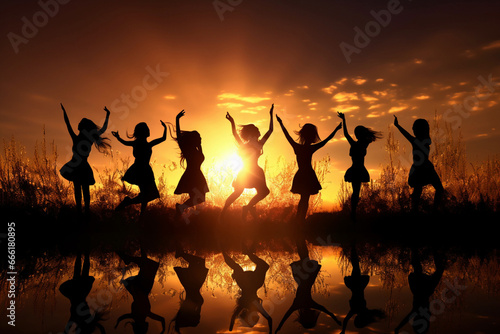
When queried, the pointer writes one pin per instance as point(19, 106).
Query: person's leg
point(86, 197)
point(78, 195)
point(233, 197)
point(356, 189)
point(303, 207)
point(438, 195)
point(415, 198)
point(262, 192)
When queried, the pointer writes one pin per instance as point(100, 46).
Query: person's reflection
point(192, 279)
point(76, 290)
point(357, 284)
point(139, 287)
point(305, 272)
point(422, 286)
point(249, 305)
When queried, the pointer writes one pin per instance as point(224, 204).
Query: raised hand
point(271, 111)
point(338, 126)
point(163, 124)
point(180, 114)
point(63, 107)
point(279, 119)
point(341, 115)
point(229, 117)
point(396, 123)
point(107, 110)
point(115, 134)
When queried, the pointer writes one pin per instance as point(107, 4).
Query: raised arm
point(105, 125)
point(68, 124)
point(123, 317)
point(405, 133)
point(287, 135)
point(271, 127)
point(327, 139)
point(162, 138)
point(233, 128)
point(287, 315)
point(323, 309)
point(346, 133)
point(346, 321)
point(158, 318)
point(233, 317)
point(178, 123)
point(124, 142)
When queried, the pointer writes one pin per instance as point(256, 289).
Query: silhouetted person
point(192, 279)
point(141, 173)
point(248, 304)
point(422, 287)
point(305, 181)
point(251, 175)
point(357, 173)
point(193, 181)
point(422, 171)
point(357, 284)
point(76, 290)
point(139, 287)
point(304, 273)
point(78, 169)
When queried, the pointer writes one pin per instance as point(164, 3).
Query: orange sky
point(426, 58)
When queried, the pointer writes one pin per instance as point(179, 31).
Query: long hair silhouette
point(78, 170)
point(305, 181)
point(357, 173)
point(141, 173)
point(252, 175)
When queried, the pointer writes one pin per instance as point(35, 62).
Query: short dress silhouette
point(305, 181)
point(251, 176)
point(78, 169)
point(77, 290)
point(304, 284)
point(357, 172)
point(422, 171)
point(193, 179)
point(357, 285)
point(141, 173)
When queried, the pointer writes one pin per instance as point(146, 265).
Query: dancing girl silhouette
point(141, 173)
point(422, 171)
point(251, 175)
point(357, 173)
point(305, 181)
point(193, 181)
point(78, 170)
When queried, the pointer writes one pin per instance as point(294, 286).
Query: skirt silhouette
point(422, 175)
point(357, 174)
point(250, 178)
point(305, 182)
point(142, 176)
point(192, 181)
point(78, 172)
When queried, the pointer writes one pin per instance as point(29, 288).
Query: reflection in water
point(357, 284)
point(192, 279)
point(422, 286)
point(76, 290)
point(304, 273)
point(248, 304)
point(139, 287)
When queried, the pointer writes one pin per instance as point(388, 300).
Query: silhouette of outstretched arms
point(68, 124)
point(285, 131)
point(158, 318)
point(402, 130)
point(178, 123)
point(105, 125)
point(323, 309)
point(346, 321)
point(123, 317)
point(156, 141)
point(296, 306)
point(233, 128)
point(121, 140)
point(271, 127)
point(327, 139)
point(287, 315)
point(346, 132)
